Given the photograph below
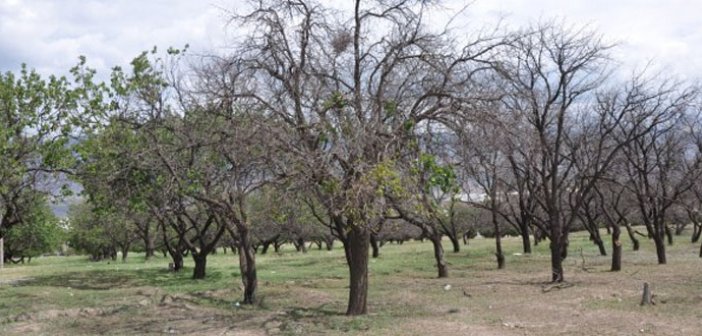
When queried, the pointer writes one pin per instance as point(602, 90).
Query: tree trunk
point(526, 242)
point(441, 266)
point(2, 253)
point(200, 265)
point(301, 245)
point(600, 245)
point(632, 236)
point(330, 244)
point(498, 240)
point(247, 266)
point(659, 241)
point(356, 248)
point(125, 252)
point(374, 245)
point(669, 234)
point(556, 262)
point(696, 231)
point(616, 249)
point(264, 250)
point(556, 247)
point(177, 261)
point(149, 248)
point(456, 243)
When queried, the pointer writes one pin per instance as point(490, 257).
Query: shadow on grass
point(111, 279)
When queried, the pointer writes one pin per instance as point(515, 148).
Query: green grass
point(306, 293)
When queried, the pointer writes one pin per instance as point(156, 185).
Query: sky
point(49, 35)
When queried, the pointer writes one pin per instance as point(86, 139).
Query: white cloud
point(50, 35)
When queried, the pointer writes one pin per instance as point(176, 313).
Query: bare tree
point(345, 97)
point(574, 132)
point(660, 168)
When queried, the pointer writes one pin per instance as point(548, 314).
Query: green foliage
point(37, 117)
point(39, 233)
point(97, 231)
point(336, 100)
point(438, 176)
point(390, 108)
point(386, 178)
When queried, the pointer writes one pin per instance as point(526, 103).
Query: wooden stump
point(647, 297)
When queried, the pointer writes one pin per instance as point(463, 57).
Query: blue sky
point(49, 35)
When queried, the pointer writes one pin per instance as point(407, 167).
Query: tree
point(417, 197)
point(35, 121)
point(660, 170)
point(486, 166)
point(40, 233)
point(99, 232)
point(573, 129)
point(342, 100)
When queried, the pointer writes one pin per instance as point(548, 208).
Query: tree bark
point(125, 252)
point(668, 234)
point(526, 242)
point(149, 248)
point(658, 240)
point(301, 245)
point(178, 261)
point(616, 249)
point(647, 296)
point(374, 245)
point(441, 265)
point(498, 239)
point(358, 241)
point(247, 266)
point(456, 243)
point(600, 245)
point(264, 250)
point(200, 265)
point(634, 241)
point(556, 247)
point(696, 231)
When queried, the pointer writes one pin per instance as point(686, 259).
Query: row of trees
point(342, 124)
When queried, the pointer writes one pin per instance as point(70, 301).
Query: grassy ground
point(306, 294)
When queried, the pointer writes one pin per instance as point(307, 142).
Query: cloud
point(663, 32)
point(50, 35)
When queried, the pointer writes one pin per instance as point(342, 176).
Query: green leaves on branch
point(437, 175)
point(336, 100)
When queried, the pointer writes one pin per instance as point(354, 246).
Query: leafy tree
point(100, 232)
point(41, 231)
point(36, 117)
